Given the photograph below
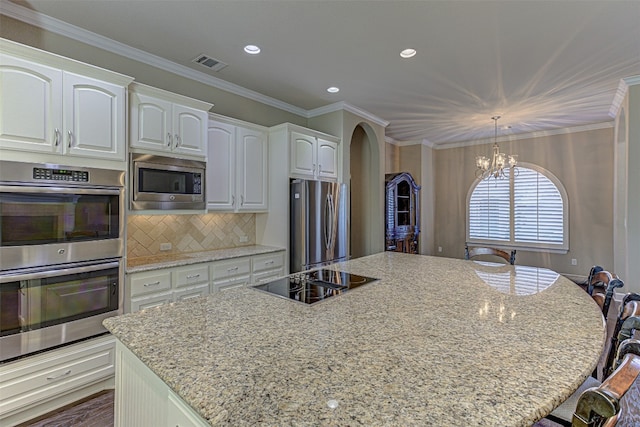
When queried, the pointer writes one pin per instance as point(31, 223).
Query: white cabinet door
point(189, 130)
point(251, 169)
point(327, 159)
point(94, 118)
point(303, 154)
point(30, 106)
point(151, 123)
point(220, 166)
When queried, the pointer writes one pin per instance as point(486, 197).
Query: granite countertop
point(437, 341)
point(155, 262)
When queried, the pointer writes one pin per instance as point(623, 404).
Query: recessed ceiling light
point(408, 53)
point(333, 89)
point(252, 49)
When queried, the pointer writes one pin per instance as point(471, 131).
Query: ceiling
point(541, 65)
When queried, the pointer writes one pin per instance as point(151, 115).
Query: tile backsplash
point(188, 233)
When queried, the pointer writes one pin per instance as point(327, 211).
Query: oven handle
point(47, 189)
point(39, 273)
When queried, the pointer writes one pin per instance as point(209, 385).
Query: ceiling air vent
point(209, 62)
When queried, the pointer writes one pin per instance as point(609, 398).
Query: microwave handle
point(58, 190)
point(39, 273)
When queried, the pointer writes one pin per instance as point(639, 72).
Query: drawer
point(151, 301)
point(266, 262)
point(234, 282)
point(267, 276)
point(53, 373)
point(149, 282)
point(230, 268)
point(191, 292)
point(192, 275)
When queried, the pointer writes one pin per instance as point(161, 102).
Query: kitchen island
point(436, 341)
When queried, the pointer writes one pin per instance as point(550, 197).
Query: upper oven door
point(51, 225)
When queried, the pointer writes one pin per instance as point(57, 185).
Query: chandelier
point(495, 166)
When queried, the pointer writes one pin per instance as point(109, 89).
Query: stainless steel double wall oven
point(61, 249)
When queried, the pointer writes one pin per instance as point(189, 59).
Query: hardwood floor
point(95, 411)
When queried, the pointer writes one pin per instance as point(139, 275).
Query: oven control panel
point(60, 174)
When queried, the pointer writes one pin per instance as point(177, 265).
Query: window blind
point(489, 211)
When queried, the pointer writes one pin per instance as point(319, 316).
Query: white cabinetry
point(149, 289)
point(230, 274)
point(313, 157)
point(39, 384)
point(153, 288)
point(267, 267)
point(164, 122)
point(56, 106)
point(237, 167)
point(144, 400)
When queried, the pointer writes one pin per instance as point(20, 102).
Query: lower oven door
point(43, 308)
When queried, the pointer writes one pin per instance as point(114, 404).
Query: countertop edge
point(201, 257)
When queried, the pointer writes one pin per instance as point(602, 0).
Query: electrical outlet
point(439, 248)
point(165, 246)
point(244, 239)
point(574, 261)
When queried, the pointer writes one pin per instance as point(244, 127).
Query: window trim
point(534, 247)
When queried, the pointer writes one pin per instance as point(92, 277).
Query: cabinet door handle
point(319, 168)
point(178, 141)
point(146, 285)
point(233, 200)
point(193, 276)
point(56, 134)
point(169, 140)
point(55, 377)
point(242, 200)
point(70, 139)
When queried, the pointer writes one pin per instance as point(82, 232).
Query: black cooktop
point(314, 286)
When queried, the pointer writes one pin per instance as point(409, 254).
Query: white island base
point(144, 400)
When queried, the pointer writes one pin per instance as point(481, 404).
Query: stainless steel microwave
point(159, 182)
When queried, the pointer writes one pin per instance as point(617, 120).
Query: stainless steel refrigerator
point(318, 222)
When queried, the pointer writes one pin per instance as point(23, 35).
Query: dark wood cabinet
point(402, 213)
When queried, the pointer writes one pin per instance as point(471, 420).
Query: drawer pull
point(146, 285)
point(232, 269)
point(269, 262)
point(56, 377)
point(193, 276)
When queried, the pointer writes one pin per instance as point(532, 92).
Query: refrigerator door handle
point(327, 222)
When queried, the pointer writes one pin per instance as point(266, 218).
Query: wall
point(583, 161)
point(188, 233)
point(627, 197)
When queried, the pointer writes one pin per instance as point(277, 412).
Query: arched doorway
point(365, 192)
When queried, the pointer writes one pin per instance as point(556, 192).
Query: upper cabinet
point(164, 122)
point(237, 172)
point(57, 106)
point(313, 157)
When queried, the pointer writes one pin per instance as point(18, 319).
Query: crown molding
point(530, 135)
point(56, 26)
point(344, 106)
point(424, 142)
point(623, 88)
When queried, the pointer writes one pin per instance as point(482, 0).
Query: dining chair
point(627, 322)
point(601, 285)
point(616, 402)
point(470, 253)
point(563, 414)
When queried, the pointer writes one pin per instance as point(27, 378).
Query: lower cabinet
point(150, 289)
point(144, 400)
point(39, 384)
point(153, 288)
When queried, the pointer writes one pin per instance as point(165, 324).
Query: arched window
point(527, 209)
